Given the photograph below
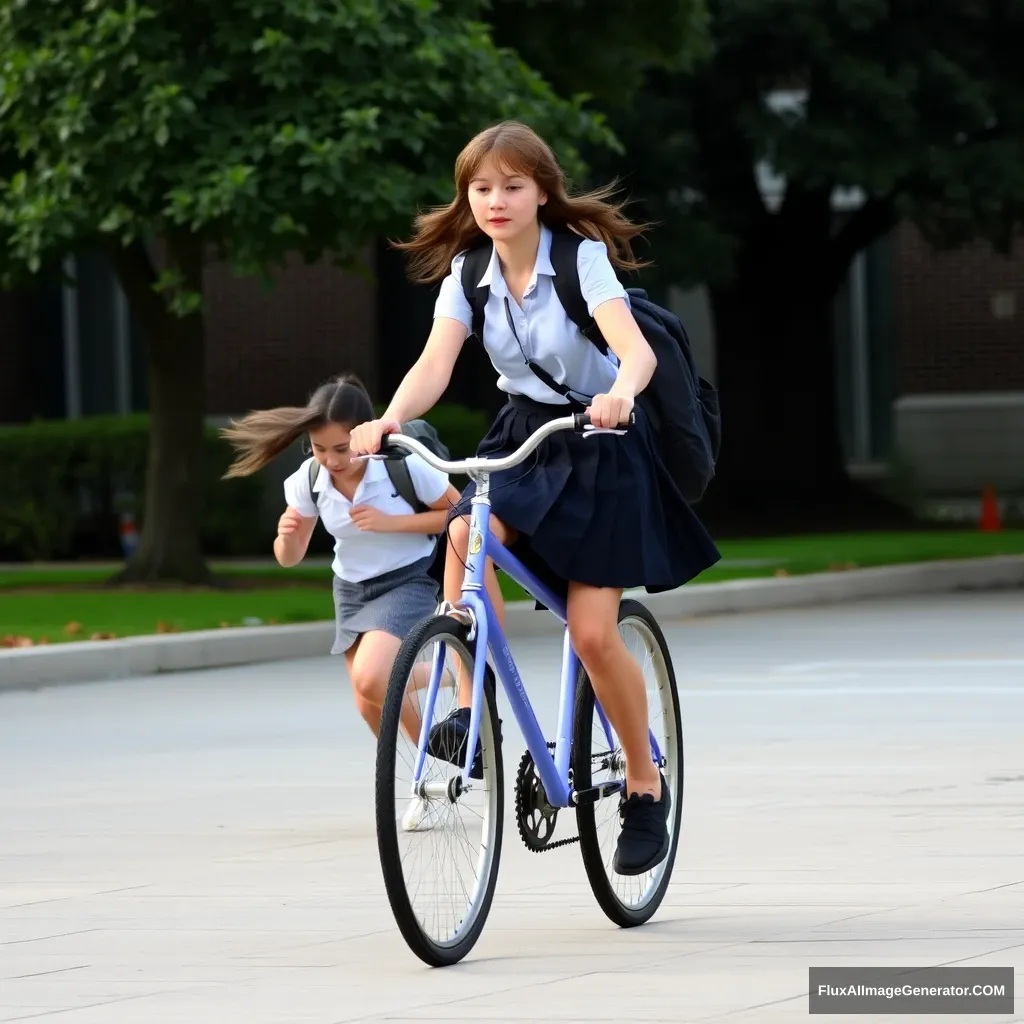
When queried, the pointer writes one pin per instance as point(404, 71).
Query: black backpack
point(398, 471)
point(682, 406)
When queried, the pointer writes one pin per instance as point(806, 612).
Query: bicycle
point(552, 776)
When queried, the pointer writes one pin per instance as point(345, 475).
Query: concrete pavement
point(201, 848)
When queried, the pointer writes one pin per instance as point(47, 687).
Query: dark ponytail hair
point(263, 435)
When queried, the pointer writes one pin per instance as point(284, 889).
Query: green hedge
point(65, 483)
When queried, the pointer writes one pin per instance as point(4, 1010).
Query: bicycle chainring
point(534, 815)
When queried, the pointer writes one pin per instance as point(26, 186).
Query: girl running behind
point(383, 548)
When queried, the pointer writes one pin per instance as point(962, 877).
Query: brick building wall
point(274, 347)
point(265, 346)
point(960, 317)
point(958, 422)
point(959, 328)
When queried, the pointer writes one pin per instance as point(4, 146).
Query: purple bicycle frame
point(553, 771)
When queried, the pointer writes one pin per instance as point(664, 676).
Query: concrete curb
point(93, 661)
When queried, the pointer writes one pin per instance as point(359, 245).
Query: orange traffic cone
point(989, 521)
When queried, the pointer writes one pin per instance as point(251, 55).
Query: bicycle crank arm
point(592, 794)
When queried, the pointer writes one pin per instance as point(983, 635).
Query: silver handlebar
point(577, 421)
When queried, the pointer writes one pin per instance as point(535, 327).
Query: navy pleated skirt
point(599, 510)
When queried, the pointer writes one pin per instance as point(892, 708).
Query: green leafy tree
point(171, 133)
point(917, 106)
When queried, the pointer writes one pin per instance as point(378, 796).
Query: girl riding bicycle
point(591, 515)
point(383, 548)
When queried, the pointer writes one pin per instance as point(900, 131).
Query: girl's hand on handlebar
point(610, 411)
point(366, 438)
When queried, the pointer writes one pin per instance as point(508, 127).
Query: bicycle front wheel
point(628, 900)
point(440, 840)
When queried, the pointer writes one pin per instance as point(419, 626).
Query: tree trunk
point(170, 547)
point(776, 375)
point(782, 466)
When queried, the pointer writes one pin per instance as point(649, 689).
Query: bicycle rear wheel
point(628, 900)
point(439, 848)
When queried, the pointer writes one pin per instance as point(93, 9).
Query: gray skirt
point(392, 603)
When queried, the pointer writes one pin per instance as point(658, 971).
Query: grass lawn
point(41, 602)
point(39, 614)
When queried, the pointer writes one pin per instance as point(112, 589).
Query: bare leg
point(370, 660)
point(617, 679)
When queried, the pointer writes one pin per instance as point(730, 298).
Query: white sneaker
point(419, 816)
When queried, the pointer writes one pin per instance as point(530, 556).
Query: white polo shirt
point(361, 554)
point(547, 334)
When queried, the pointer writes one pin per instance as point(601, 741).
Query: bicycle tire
point(590, 847)
point(436, 954)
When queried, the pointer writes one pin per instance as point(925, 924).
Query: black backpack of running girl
point(682, 406)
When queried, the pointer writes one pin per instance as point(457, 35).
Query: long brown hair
point(264, 434)
point(445, 231)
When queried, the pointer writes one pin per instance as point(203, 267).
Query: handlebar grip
point(391, 451)
point(581, 420)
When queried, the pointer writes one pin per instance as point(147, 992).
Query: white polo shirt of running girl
point(361, 555)
point(547, 335)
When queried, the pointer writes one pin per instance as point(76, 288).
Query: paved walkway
point(200, 848)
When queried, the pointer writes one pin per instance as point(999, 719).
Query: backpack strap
point(398, 470)
point(473, 267)
point(565, 246)
point(314, 472)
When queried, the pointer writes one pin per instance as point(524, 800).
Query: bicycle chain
point(529, 843)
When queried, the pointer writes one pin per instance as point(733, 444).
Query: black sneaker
point(448, 740)
point(643, 841)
